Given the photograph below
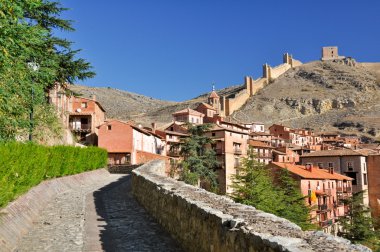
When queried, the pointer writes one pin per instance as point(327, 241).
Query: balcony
point(237, 151)
point(327, 192)
point(174, 153)
point(322, 208)
point(80, 127)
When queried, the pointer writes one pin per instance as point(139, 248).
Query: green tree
point(357, 225)
point(199, 162)
point(26, 35)
point(254, 185)
point(294, 206)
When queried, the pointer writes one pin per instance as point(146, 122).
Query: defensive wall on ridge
point(203, 221)
point(234, 102)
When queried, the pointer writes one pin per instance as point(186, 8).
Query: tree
point(254, 185)
point(293, 202)
point(357, 225)
point(199, 162)
point(26, 35)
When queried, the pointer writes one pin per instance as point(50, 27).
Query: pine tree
point(293, 202)
point(357, 225)
point(255, 185)
point(199, 162)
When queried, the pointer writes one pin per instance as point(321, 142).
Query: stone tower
point(213, 100)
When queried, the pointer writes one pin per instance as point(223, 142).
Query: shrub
point(23, 166)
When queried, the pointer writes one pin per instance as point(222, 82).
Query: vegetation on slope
point(23, 166)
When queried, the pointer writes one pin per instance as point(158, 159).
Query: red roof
point(316, 173)
point(213, 95)
point(333, 153)
point(189, 111)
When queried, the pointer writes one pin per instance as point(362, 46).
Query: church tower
point(213, 100)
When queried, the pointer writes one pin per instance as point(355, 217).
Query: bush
point(23, 166)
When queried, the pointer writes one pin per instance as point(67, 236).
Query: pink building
point(325, 191)
point(129, 144)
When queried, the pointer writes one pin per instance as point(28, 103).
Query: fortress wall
point(204, 221)
point(279, 70)
point(235, 103)
point(296, 63)
point(17, 218)
point(258, 84)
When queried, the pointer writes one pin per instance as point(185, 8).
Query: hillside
point(326, 96)
point(125, 105)
point(120, 104)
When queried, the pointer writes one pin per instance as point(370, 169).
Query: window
point(83, 105)
point(213, 134)
point(230, 134)
point(197, 120)
point(109, 127)
point(320, 165)
point(364, 167)
point(331, 165)
point(352, 175)
point(350, 166)
point(365, 180)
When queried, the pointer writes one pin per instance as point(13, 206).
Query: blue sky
point(176, 49)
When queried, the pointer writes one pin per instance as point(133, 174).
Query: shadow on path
point(124, 225)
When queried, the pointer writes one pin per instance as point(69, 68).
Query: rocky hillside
point(121, 104)
point(326, 96)
point(125, 105)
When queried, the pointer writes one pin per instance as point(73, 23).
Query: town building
point(373, 163)
point(128, 144)
point(173, 133)
point(256, 127)
point(188, 115)
point(262, 150)
point(80, 115)
point(324, 191)
point(344, 161)
point(230, 145)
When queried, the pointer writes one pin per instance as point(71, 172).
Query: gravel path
point(97, 217)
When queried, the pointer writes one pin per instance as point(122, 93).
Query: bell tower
point(213, 99)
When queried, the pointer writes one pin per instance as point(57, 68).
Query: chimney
point(309, 167)
point(154, 126)
point(331, 170)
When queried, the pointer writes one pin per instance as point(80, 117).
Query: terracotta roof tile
point(332, 153)
point(188, 111)
point(316, 173)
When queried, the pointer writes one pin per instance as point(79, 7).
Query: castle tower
point(213, 100)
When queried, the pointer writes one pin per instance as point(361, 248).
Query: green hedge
point(23, 166)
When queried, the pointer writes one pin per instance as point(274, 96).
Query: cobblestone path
point(98, 217)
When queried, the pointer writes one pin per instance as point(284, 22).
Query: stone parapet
point(203, 221)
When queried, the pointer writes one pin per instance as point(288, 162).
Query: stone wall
point(203, 221)
point(17, 218)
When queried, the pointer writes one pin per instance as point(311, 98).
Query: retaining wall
point(203, 221)
point(17, 218)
